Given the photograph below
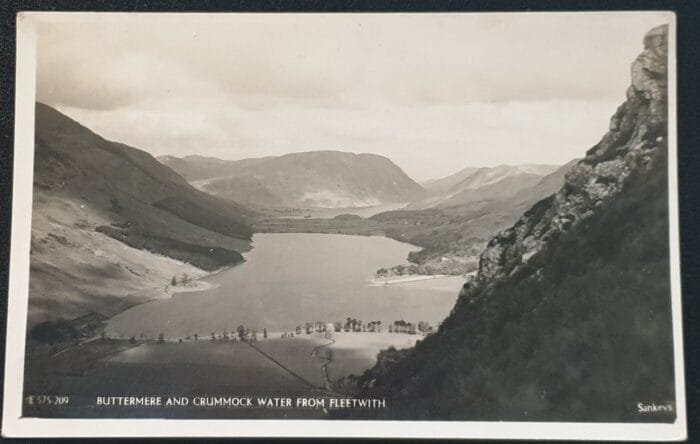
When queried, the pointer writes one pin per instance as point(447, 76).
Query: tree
point(132, 340)
point(264, 333)
point(213, 336)
point(185, 279)
point(196, 337)
point(116, 205)
point(173, 281)
point(161, 338)
point(103, 336)
point(241, 332)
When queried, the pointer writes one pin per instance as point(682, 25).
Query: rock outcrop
point(637, 129)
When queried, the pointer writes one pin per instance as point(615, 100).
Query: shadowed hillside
point(92, 198)
point(569, 315)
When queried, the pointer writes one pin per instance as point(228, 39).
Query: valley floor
point(304, 366)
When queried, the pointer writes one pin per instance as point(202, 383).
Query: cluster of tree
point(402, 326)
point(184, 280)
point(350, 325)
point(63, 330)
point(247, 334)
point(241, 334)
point(356, 325)
point(402, 270)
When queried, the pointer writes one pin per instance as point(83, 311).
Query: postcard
point(446, 225)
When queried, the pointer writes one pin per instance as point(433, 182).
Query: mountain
point(107, 213)
point(480, 184)
point(547, 185)
point(453, 236)
point(568, 317)
point(315, 179)
point(445, 183)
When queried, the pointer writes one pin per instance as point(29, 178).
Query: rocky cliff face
point(637, 130)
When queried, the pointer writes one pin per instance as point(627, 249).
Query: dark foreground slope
point(569, 315)
point(91, 197)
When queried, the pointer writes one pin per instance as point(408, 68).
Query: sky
point(433, 92)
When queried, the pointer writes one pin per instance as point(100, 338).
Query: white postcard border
point(13, 425)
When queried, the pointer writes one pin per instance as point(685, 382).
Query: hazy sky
point(434, 93)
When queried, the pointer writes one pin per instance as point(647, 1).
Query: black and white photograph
point(358, 224)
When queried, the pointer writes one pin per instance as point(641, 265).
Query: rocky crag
point(568, 317)
point(637, 131)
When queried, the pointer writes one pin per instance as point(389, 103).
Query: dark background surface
point(688, 18)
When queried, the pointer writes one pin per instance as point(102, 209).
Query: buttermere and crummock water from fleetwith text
point(459, 217)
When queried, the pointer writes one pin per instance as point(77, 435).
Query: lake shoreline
point(393, 280)
point(293, 270)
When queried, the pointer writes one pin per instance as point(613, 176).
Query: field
point(296, 354)
point(290, 367)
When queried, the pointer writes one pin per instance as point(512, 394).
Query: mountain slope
point(445, 183)
point(480, 184)
point(324, 179)
point(452, 237)
point(94, 197)
point(568, 317)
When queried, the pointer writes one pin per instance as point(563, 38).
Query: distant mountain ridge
point(479, 184)
point(322, 179)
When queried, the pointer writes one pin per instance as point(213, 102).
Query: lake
point(289, 279)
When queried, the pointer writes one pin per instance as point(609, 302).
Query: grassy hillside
point(89, 194)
